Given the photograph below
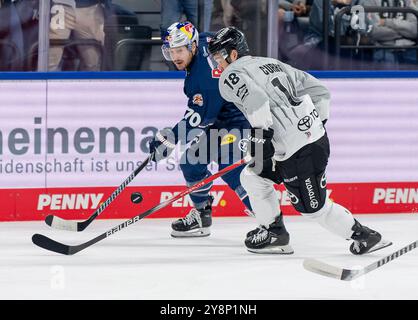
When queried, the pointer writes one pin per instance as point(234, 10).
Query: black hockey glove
point(163, 144)
point(260, 144)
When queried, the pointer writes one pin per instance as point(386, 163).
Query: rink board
point(65, 145)
point(79, 203)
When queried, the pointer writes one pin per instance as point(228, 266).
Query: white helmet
point(177, 35)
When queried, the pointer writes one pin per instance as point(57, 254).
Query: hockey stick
point(63, 224)
point(351, 274)
point(52, 245)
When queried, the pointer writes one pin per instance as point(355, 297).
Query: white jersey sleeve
point(238, 88)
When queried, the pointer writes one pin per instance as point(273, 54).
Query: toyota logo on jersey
point(305, 123)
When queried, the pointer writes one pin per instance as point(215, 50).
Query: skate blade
point(196, 233)
point(380, 245)
point(287, 249)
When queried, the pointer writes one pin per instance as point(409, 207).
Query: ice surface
point(144, 262)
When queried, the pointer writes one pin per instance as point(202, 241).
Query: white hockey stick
point(327, 270)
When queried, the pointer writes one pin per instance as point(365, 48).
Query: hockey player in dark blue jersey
point(213, 127)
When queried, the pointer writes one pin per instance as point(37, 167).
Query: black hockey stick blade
point(330, 271)
point(52, 245)
point(77, 226)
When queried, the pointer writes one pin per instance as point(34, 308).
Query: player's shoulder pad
point(228, 71)
point(233, 85)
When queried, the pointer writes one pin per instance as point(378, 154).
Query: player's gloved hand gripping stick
point(59, 223)
point(163, 144)
point(52, 245)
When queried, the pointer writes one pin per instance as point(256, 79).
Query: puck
point(136, 197)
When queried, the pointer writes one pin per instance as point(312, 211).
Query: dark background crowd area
point(125, 35)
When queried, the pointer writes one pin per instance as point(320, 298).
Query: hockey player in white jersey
point(287, 109)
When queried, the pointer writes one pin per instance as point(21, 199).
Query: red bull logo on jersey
point(198, 100)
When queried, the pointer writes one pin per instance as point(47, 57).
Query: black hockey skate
point(366, 240)
point(275, 239)
point(196, 224)
point(256, 230)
